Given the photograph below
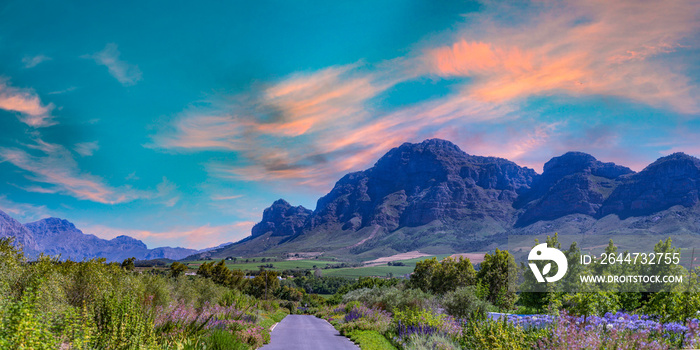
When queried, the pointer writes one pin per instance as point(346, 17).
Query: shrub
point(122, 323)
point(22, 327)
point(391, 298)
point(430, 342)
point(463, 303)
point(364, 318)
point(223, 340)
point(424, 322)
point(497, 334)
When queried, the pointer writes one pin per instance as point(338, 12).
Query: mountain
point(9, 227)
point(434, 197)
point(54, 236)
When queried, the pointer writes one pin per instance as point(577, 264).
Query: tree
point(464, 303)
point(221, 274)
point(499, 274)
point(205, 270)
point(444, 276)
point(177, 269)
point(128, 264)
point(264, 284)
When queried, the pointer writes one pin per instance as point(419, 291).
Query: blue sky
point(178, 122)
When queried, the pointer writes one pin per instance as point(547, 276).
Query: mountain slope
point(434, 197)
point(10, 227)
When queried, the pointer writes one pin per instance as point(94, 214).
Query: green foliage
point(444, 276)
point(23, 327)
point(128, 264)
point(177, 269)
point(589, 303)
point(499, 274)
point(321, 285)
point(122, 323)
point(223, 340)
point(420, 317)
point(264, 284)
point(391, 298)
point(370, 340)
point(490, 334)
point(464, 303)
point(430, 342)
point(678, 304)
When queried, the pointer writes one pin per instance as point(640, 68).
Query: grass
point(370, 340)
point(306, 264)
point(381, 270)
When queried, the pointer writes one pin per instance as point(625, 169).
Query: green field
point(379, 271)
point(307, 264)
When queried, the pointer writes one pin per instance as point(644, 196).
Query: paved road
point(307, 332)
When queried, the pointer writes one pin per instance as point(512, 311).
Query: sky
point(178, 122)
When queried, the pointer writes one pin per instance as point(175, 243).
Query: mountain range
point(434, 197)
point(54, 237)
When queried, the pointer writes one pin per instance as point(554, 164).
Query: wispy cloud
point(53, 166)
point(23, 212)
point(188, 237)
point(225, 198)
point(127, 74)
point(33, 61)
point(27, 103)
point(576, 47)
point(310, 128)
point(86, 149)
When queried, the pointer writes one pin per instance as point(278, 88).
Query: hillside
point(433, 197)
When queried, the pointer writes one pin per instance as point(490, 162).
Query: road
point(306, 332)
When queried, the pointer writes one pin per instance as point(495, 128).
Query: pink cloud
point(309, 129)
point(54, 165)
point(188, 237)
point(582, 47)
point(27, 103)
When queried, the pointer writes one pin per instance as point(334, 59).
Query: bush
point(497, 334)
point(223, 340)
point(391, 298)
point(463, 303)
point(22, 327)
point(122, 323)
point(430, 342)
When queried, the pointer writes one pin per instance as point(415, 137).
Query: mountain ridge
point(417, 192)
point(59, 237)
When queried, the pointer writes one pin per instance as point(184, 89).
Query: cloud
point(127, 74)
point(310, 128)
point(578, 48)
point(188, 237)
point(33, 61)
point(167, 193)
point(23, 212)
point(86, 149)
point(27, 103)
point(225, 198)
point(54, 166)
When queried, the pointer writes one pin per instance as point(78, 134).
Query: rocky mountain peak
point(52, 226)
point(670, 180)
point(282, 219)
point(10, 227)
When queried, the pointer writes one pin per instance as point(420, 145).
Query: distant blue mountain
point(54, 236)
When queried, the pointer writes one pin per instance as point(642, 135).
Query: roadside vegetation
point(445, 304)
